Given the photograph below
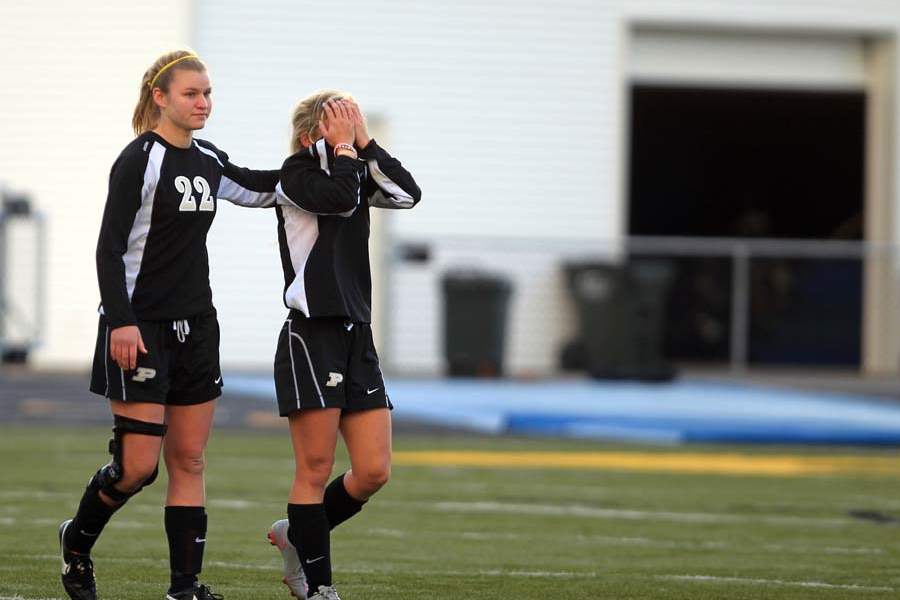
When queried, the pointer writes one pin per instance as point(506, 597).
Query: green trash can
point(474, 326)
point(621, 311)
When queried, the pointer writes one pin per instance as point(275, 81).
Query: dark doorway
point(754, 163)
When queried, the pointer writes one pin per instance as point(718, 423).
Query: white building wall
point(766, 44)
point(506, 113)
point(70, 73)
point(512, 117)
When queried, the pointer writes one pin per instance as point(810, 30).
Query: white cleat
point(293, 577)
point(326, 592)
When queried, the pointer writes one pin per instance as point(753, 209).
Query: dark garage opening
point(762, 164)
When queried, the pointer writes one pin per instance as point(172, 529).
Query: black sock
point(309, 532)
point(186, 530)
point(92, 516)
point(339, 504)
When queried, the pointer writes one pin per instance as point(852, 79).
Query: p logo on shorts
point(334, 379)
point(143, 374)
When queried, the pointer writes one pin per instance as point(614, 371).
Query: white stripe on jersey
point(137, 239)
point(208, 152)
point(237, 194)
point(301, 230)
point(322, 150)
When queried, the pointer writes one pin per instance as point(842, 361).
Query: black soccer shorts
point(327, 362)
point(181, 366)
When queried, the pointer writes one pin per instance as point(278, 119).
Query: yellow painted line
point(675, 462)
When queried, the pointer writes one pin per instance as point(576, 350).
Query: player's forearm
point(319, 193)
point(396, 184)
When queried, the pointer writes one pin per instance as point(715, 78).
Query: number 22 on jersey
point(188, 203)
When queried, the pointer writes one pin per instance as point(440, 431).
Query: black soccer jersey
point(323, 226)
point(152, 262)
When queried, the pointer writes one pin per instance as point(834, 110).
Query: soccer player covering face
point(327, 375)
point(157, 353)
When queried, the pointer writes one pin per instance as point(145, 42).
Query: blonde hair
point(309, 112)
point(159, 75)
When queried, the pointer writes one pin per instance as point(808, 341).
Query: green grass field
point(498, 532)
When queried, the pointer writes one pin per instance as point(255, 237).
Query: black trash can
point(621, 313)
point(475, 314)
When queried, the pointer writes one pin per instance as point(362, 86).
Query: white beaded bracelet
point(345, 147)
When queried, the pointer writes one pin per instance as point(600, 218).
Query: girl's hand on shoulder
point(359, 123)
point(337, 125)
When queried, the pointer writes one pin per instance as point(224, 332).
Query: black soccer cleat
point(77, 570)
point(198, 592)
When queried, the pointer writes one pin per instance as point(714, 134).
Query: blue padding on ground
point(681, 411)
point(696, 430)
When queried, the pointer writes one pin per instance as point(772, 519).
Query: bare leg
point(185, 515)
point(367, 434)
point(314, 436)
point(184, 452)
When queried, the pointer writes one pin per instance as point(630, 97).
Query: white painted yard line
point(477, 535)
point(46, 522)
point(575, 510)
point(392, 533)
point(234, 504)
point(651, 542)
point(389, 569)
point(775, 582)
point(501, 573)
point(489, 573)
point(824, 550)
point(248, 566)
point(242, 504)
point(104, 559)
point(861, 550)
point(276, 566)
point(602, 540)
point(30, 495)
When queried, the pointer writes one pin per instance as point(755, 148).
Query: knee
point(186, 463)
point(315, 470)
point(136, 476)
point(373, 478)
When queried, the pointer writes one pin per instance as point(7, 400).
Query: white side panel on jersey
point(301, 229)
point(389, 194)
point(137, 238)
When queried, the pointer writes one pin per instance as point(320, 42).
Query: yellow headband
point(160, 72)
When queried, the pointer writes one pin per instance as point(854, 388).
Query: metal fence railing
point(740, 263)
point(741, 251)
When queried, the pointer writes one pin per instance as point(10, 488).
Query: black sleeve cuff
point(345, 161)
point(370, 151)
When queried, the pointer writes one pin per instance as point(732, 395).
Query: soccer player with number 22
point(157, 353)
